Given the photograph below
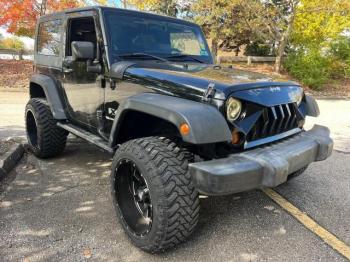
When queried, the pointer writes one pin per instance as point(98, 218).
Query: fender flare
point(207, 124)
point(312, 108)
point(50, 88)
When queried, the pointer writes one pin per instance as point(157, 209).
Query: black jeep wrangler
point(144, 88)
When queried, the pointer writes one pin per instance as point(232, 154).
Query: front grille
point(275, 120)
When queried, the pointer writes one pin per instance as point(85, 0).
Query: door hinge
point(101, 81)
point(99, 114)
point(112, 84)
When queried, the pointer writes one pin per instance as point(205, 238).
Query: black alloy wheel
point(133, 196)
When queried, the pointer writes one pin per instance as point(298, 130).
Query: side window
point(49, 38)
point(80, 29)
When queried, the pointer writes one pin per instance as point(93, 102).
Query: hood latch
point(210, 92)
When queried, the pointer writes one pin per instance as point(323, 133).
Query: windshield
point(141, 33)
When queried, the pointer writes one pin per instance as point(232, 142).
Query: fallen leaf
point(281, 231)
point(270, 208)
point(87, 253)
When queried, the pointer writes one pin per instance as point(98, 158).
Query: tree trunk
point(237, 49)
point(283, 42)
point(20, 54)
point(280, 52)
point(214, 49)
point(43, 7)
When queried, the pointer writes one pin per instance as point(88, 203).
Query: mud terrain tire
point(174, 200)
point(45, 138)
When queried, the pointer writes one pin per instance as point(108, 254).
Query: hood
point(192, 80)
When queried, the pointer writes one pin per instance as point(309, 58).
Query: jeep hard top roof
point(119, 10)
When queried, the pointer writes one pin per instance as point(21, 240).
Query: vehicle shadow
point(61, 209)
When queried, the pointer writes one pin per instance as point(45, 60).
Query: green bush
point(257, 49)
point(340, 49)
point(311, 68)
point(339, 69)
point(340, 54)
point(314, 67)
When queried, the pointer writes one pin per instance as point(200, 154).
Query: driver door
point(84, 96)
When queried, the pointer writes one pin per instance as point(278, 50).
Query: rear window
point(49, 38)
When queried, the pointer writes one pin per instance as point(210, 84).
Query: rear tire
point(172, 205)
point(44, 137)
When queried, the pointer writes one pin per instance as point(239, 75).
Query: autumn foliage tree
point(228, 23)
point(166, 7)
point(19, 16)
point(12, 43)
point(319, 42)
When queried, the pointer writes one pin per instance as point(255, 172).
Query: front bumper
point(267, 166)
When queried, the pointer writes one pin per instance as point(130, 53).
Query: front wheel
point(153, 193)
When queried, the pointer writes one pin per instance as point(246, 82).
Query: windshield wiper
point(185, 57)
point(140, 55)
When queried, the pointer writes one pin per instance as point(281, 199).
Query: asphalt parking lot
point(60, 209)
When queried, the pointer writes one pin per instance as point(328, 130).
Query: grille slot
point(274, 120)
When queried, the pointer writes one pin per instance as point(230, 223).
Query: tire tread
point(51, 138)
point(179, 196)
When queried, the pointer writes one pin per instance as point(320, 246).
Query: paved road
point(59, 209)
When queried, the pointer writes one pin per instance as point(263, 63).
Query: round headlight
point(233, 109)
point(299, 99)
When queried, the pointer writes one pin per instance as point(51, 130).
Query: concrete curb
point(9, 160)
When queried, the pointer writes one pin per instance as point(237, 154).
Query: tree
point(277, 16)
point(12, 43)
point(1, 38)
point(319, 23)
point(311, 23)
point(211, 15)
point(20, 16)
point(229, 23)
point(301, 22)
point(166, 7)
point(319, 49)
point(286, 11)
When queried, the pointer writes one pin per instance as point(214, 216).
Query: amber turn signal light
point(236, 137)
point(184, 129)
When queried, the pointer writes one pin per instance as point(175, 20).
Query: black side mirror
point(82, 51)
point(85, 51)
